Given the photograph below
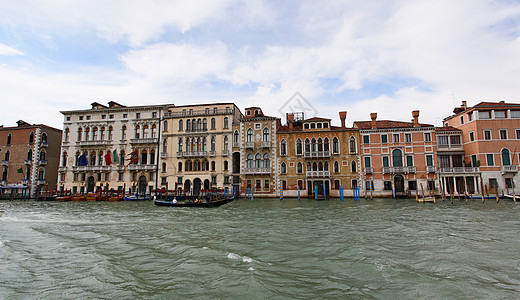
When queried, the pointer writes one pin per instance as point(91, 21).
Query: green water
point(266, 249)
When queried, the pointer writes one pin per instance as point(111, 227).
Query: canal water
point(265, 249)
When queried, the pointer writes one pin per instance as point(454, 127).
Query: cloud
point(9, 51)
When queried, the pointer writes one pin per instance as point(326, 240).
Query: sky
point(320, 57)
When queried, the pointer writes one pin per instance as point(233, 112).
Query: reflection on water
point(379, 248)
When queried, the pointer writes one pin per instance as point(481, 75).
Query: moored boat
point(194, 203)
point(136, 198)
point(512, 197)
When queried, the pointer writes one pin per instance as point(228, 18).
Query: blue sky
point(389, 57)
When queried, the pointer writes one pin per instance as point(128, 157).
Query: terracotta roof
point(446, 128)
point(387, 124)
point(496, 104)
point(316, 119)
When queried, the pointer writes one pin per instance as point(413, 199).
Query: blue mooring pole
point(341, 192)
point(315, 192)
point(298, 193)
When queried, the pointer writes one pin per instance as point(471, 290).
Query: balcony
point(27, 162)
point(369, 170)
point(192, 154)
point(44, 144)
point(62, 169)
point(399, 170)
point(249, 144)
point(120, 167)
point(509, 169)
point(317, 154)
point(5, 163)
point(464, 170)
point(41, 182)
point(147, 167)
point(26, 181)
point(236, 145)
point(318, 174)
point(431, 169)
point(143, 141)
point(163, 155)
point(212, 153)
point(3, 182)
point(256, 171)
point(94, 143)
point(42, 162)
point(201, 112)
point(266, 144)
point(225, 152)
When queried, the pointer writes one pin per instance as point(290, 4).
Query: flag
point(134, 157)
point(114, 156)
point(108, 160)
point(19, 171)
point(82, 160)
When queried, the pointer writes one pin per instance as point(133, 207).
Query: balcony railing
point(147, 167)
point(93, 143)
point(509, 169)
point(225, 152)
point(431, 169)
point(369, 170)
point(192, 153)
point(317, 154)
point(318, 174)
point(5, 163)
point(42, 162)
point(249, 144)
point(398, 170)
point(200, 112)
point(41, 181)
point(236, 145)
point(25, 181)
point(256, 171)
point(164, 155)
point(62, 169)
point(144, 141)
point(459, 170)
point(212, 153)
point(266, 144)
point(44, 144)
point(27, 162)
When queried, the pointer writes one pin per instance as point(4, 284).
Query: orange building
point(314, 154)
point(397, 156)
point(491, 141)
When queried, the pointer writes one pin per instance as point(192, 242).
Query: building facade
point(254, 153)
point(114, 146)
point(314, 156)
point(397, 157)
point(491, 141)
point(196, 146)
point(30, 155)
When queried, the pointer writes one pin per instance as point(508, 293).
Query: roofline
point(115, 108)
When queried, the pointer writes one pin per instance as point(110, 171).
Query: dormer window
point(325, 125)
point(248, 112)
point(318, 125)
point(313, 125)
point(306, 126)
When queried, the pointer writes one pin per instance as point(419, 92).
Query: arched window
point(186, 166)
point(226, 147)
point(93, 159)
point(213, 166)
point(213, 124)
point(154, 131)
point(204, 124)
point(123, 132)
point(102, 134)
point(193, 125)
point(258, 161)
point(249, 136)
point(165, 146)
point(165, 125)
point(336, 167)
point(29, 154)
point(145, 131)
point(299, 168)
point(298, 147)
point(179, 166)
point(179, 146)
point(31, 137)
point(326, 166)
point(76, 158)
point(307, 146)
point(353, 167)
point(313, 145)
point(283, 147)
point(326, 144)
point(64, 159)
point(309, 167)
point(335, 145)
point(164, 166)
point(144, 157)
point(41, 174)
point(352, 145)
point(67, 132)
point(95, 134)
point(100, 158)
point(44, 137)
point(283, 168)
point(152, 157)
point(7, 155)
point(181, 127)
point(198, 144)
point(137, 133)
point(249, 161)
point(199, 124)
point(87, 134)
point(265, 135)
point(110, 133)
point(506, 157)
point(235, 138)
point(320, 166)
point(397, 158)
point(226, 165)
point(43, 155)
point(226, 123)
point(314, 166)
point(267, 162)
point(320, 145)
point(188, 125)
point(213, 143)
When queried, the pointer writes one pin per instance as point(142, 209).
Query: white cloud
point(9, 51)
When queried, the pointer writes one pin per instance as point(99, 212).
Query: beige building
point(196, 146)
point(254, 153)
point(114, 146)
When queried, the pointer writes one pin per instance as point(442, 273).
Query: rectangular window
point(68, 118)
point(484, 115)
point(384, 138)
point(107, 176)
point(366, 139)
point(515, 114)
point(490, 160)
point(407, 137)
point(503, 134)
point(266, 184)
point(431, 185)
point(284, 185)
point(493, 183)
point(258, 184)
point(409, 160)
point(396, 137)
point(387, 185)
point(137, 115)
point(500, 114)
point(163, 180)
point(74, 189)
point(386, 161)
point(226, 179)
point(179, 180)
point(455, 140)
point(412, 185)
point(111, 116)
point(336, 184)
point(470, 117)
point(472, 136)
point(154, 114)
point(427, 137)
point(81, 118)
point(368, 162)
point(75, 177)
point(125, 116)
point(103, 117)
point(461, 120)
point(474, 161)
point(517, 134)
point(487, 134)
point(443, 141)
point(429, 160)
point(214, 180)
point(509, 183)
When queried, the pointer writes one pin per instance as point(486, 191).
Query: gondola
point(215, 203)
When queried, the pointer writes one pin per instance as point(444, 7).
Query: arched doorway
point(196, 186)
point(142, 185)
point(206, 184)
point(399, 183)
point(187, 185)
point(91, 183)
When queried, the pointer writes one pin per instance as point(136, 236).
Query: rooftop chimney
point(290, 120)
point(342, 117)
point(464, 104)
point(415, 115)
point(373, 116)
